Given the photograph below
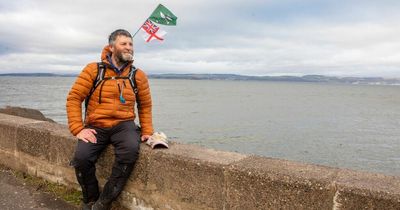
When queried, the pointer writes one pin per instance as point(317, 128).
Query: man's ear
point(111, 48)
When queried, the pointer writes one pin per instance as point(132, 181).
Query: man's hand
point(145, 138)
point(87, 135)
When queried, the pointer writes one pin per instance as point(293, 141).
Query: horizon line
point(242, 75)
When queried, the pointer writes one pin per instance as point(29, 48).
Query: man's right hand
point(87, 135)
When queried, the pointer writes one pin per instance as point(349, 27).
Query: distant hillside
point(38, 75)
point(305, 78)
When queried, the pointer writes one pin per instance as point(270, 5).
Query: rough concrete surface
point(25, 112)
point(358, 190)
point(178, 179)
point(266, 183)
point(192, 177)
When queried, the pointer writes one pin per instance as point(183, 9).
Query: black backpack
point(100, 80)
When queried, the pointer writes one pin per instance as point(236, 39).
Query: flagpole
point(144, 22)
point(140, 27)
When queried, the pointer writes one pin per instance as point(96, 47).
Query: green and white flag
point(162, 15)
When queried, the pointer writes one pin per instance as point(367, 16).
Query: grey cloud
point(243, 37)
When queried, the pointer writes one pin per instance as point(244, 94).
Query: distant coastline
point(36, 75)
point(305, 78)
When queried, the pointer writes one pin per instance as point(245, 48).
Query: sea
point(338, 125)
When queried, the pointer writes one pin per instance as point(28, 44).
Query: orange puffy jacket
point(110, 111)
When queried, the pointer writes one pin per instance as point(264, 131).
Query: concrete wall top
point(193, 177)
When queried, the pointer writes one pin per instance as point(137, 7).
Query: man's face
point(122, 49)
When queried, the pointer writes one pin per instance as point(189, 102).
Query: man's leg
point(126, 141)
point(86, 155)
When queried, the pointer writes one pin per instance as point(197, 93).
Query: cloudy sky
point(249, 37)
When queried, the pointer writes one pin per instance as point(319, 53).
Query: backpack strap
point(101, 68)
point(100, 75)
point(100, 79)
point(132, 81)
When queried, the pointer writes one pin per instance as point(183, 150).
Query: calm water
point(347, 126)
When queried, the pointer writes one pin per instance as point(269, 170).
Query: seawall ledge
point(192, 177)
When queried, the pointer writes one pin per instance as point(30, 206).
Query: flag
point(162, 15)
point(153, 32)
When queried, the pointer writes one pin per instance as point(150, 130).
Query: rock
point(25, 112)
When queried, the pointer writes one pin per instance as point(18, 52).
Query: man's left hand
point(145, 138)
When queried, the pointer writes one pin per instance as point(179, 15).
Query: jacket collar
point(106, 58)
point(115, 68)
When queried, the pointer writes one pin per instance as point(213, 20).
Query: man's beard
point(123, 57)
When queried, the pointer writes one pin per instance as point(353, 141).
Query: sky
point(247, 37)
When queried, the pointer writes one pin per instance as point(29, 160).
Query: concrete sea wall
point(192, 177)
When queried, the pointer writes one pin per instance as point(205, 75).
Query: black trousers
point(125, 137)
